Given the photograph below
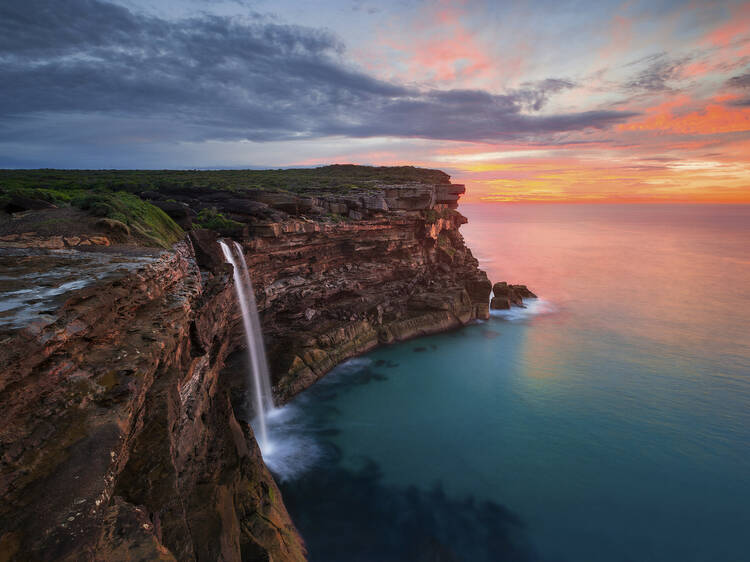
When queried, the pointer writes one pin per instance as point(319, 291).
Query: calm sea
point(609, 421)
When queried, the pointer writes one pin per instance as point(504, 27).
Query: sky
point(535, 101)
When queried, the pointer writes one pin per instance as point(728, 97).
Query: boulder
point(505, 296)
point(117, 230)
point(479, 288)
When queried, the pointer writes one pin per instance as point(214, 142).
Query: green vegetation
point(335, 217)
point(211, 218)
point(432, 216)
point(121, 195)
point(335, 178)
point(444, 244)
point(54, 196)
point(141, 216)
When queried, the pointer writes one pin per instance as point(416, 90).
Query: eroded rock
point(506, 296)
point(118, 434)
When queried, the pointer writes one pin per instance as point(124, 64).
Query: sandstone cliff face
point(117, 434)
point(118, 437)
point(331, 290)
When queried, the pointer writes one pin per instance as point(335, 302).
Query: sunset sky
point(631, 101)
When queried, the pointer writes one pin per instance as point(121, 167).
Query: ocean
point(607, 421)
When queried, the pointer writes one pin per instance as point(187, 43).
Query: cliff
point(328, 291)
point(117, 433)
point(118, 437)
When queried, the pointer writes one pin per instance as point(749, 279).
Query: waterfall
point(260, 361)
point(258, 377)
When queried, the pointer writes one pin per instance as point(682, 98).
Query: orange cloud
point(737, 28)
point(451, 58)
point(439, 47)
point(710, 119)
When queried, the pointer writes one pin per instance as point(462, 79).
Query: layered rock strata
point(117, 436)
point(117, 433)
point(505, 296)
point(328, 290)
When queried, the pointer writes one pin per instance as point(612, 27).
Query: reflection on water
point(610, 421)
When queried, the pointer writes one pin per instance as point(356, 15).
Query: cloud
point(219, 78)
point(742, 83)
point(659, 75)
point(536, 94)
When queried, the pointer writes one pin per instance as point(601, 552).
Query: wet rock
point(506, 296)
point(99, 240)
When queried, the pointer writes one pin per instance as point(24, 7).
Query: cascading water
point(258, 375)
point(260, 364)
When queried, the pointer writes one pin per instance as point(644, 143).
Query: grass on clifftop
point(212, 219)
point(116, 194)
point(338, 177)
point(147, 222)
point(141, 216)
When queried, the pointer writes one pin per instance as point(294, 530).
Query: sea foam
point(534, 307)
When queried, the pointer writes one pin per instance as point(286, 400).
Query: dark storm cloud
point(226, 78)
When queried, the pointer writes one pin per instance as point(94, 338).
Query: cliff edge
point(118, 438)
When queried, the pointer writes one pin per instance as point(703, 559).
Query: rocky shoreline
point(118, 436)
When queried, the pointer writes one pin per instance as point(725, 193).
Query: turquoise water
point(608, 422)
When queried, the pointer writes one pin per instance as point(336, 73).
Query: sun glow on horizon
point(619, 102)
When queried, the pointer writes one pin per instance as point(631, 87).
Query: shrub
point(128, 209)
point(213, 220)
point(431, 216)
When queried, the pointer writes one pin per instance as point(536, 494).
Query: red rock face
point(505, 296)
point(328, 291)
point(118, 438)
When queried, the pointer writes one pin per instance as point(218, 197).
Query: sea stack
point(505, 296)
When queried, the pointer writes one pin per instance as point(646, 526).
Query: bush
point(128, 209)
point(431, 216)
point(213, 220)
